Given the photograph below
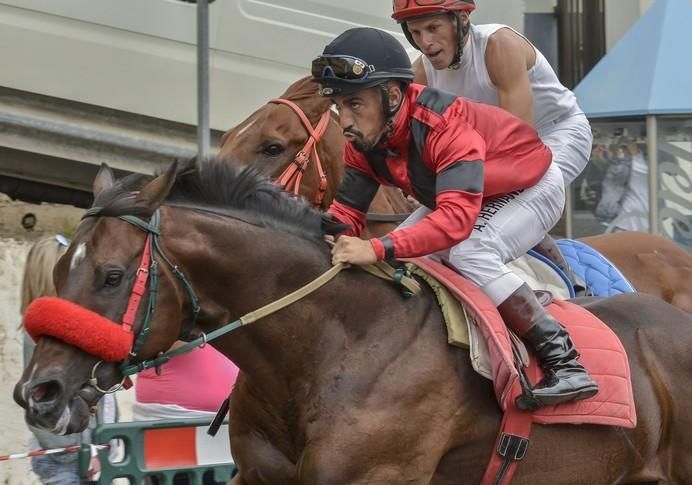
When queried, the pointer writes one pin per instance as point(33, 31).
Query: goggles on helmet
point(341, 67)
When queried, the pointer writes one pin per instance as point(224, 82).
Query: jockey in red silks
point(494, 64)
point(486, 183)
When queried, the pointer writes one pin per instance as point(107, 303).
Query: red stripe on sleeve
point(449, 224)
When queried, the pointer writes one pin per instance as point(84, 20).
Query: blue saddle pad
point(599, 274)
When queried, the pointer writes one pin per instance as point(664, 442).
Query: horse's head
point(94, 282)
point(274, 136)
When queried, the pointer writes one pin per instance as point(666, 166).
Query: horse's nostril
point(45, 392)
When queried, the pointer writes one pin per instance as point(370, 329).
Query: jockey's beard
point(360, 143)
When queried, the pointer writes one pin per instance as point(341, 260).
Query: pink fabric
point(602, 354)
point(198, 380)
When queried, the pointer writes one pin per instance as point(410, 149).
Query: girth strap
point(513, 438)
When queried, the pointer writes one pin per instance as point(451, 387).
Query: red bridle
point(291, 178)
point(83, 328)
point(139, 288)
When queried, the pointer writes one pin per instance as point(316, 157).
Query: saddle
point(499, 355)
point(593, 271)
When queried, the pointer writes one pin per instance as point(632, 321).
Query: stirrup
point(526, 401)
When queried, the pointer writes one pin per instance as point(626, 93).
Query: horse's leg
point(259, 460)
point(238, 480)
point(350, 461)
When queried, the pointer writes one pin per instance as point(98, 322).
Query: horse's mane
point(220, 187)
point(38, 270)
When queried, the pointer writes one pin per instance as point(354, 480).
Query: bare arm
point(508, 58)
point(419, 76)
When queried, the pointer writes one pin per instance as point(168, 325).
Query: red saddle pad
point(602, 354)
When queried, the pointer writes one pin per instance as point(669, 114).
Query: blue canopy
point(649, 71)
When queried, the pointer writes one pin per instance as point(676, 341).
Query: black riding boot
point(565, 378)
point(548, 249)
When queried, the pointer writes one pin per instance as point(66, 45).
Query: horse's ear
point(104, 180)
point(155, 192)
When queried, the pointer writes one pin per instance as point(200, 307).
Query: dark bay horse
point(272, 137)
point(352, 384)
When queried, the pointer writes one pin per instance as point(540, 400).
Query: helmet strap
point(462, 30)
point(409, 36)
point(389, 113)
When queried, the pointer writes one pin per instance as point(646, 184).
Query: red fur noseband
point(78, 326)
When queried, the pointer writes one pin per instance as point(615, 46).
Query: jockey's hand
point(353, 250)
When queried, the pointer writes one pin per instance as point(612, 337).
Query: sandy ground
point(14, 245)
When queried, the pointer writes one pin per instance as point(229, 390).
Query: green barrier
point(163, 449)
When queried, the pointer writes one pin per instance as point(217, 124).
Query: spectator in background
point(592, 177)
point(59, 468)
point(634, 206)
point(624, 190)
point(614, 183)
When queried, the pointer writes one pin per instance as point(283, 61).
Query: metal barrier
point(163, 449)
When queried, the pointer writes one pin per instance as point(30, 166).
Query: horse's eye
point(273, 150)
point(113, 278)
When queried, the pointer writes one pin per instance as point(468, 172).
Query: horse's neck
point(237, 268)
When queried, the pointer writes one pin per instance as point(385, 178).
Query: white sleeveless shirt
point(552, 102)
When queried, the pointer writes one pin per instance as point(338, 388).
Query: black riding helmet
point(361, 58)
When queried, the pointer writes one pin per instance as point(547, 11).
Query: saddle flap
point(480, 309)
point(602, 354)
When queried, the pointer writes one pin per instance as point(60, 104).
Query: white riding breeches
point(506, 228)
point(570, 140)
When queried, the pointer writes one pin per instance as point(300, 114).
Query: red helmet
point(404, 10)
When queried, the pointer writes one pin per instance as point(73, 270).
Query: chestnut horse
point(272, 136)
point(352, 384)
point(652, 263)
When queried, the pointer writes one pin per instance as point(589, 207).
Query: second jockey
point(494, 64)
